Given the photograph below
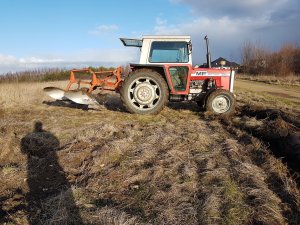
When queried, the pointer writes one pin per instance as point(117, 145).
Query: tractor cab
point(162, 49)
point(171, 51)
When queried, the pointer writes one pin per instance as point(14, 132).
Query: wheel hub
point(220, 104)
point(144, 93)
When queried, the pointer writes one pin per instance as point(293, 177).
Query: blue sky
point(75, 33)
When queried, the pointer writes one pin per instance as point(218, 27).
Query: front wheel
point(220, 102)
point(144, 92)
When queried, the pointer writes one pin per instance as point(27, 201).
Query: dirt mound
point(269, 114)
point(279, 130)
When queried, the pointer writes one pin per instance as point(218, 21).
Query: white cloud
point(36, 60)
point(9, 63)
point(230, 23)
point(220, 27)
point(7, 60)
point(82, 58)
point(160, 21)
point(121, 55)
point(226, 34)
point(103, 29)
point(12, 60)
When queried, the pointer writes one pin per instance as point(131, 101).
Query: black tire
point(201, 105)
point(220, 102)
point(144, 92)
point(201, 101)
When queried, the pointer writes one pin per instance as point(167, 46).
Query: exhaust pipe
point(208, 57)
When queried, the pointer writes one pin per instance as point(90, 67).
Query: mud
point(278, 130)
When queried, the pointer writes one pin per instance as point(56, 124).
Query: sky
point(79, 33)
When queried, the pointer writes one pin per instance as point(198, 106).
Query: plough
point(103, 81)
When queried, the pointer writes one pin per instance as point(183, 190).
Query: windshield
point(169, 52)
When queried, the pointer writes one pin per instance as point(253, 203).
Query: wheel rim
point(221, 104)
point(144, 93)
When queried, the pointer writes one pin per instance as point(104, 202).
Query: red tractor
point(164, 73)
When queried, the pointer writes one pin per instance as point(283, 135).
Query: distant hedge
point(43, 75)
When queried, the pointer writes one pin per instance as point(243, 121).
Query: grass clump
point(235, 211)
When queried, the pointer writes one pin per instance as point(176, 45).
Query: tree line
point(257, 60)
point(43, 74)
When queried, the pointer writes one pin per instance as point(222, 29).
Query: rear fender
point(158, 68)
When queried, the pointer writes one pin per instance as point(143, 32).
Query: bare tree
point(257, 60)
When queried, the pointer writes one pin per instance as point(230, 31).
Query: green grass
point(235, 211)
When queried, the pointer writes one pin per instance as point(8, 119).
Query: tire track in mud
point(173, 172)
point(276, 129)
point(267, 182)
point(211, 178)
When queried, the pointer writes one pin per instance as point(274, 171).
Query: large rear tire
point(144, 92)
point(220, 102)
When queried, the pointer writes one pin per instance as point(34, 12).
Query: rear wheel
point(220, 102)
point(144, 92)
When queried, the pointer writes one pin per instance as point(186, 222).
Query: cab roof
point(166, 37)
point(131, 42)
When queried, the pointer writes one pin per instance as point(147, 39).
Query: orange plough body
point(104, 80)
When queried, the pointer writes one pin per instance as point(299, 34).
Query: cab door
point(178, 77)
point(175, 56)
